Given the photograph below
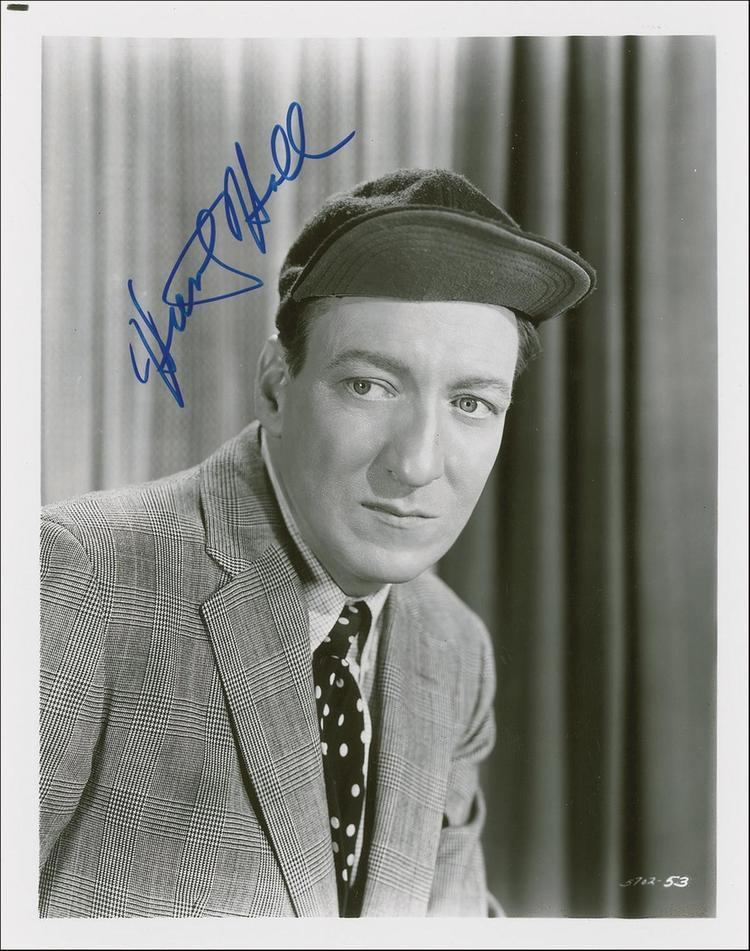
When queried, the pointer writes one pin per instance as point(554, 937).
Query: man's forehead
point(358, 309)
point(401, 334)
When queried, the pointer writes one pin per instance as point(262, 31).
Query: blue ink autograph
point(242, 204)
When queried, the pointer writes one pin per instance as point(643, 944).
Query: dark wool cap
point(418, 234)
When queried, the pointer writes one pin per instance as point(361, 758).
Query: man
point(256, 699)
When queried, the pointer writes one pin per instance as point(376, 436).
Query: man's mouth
point(399, 512)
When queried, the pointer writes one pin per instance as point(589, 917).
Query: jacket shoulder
point(445, 613)
point(166, 506)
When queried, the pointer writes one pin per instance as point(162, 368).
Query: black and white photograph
point(381, 459)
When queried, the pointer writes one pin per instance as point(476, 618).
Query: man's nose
point(415, 455)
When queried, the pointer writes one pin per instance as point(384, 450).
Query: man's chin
point(385, 568)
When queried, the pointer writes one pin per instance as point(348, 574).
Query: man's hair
point(294, 319)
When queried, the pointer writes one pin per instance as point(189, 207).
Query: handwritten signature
point(245, 214)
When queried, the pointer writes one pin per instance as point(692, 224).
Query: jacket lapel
point(259, 630)
point(410, 761)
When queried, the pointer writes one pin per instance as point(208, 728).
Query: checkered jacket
point(180, 766)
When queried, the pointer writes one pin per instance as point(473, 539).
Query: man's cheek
point(348, 449)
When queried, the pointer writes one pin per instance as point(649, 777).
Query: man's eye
point(368, 389)
point(471, 406)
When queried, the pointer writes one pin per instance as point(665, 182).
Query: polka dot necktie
point(342, 724)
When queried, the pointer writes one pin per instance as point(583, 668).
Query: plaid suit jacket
point(180, 770)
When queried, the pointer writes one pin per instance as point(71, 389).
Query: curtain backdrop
point(591, 556)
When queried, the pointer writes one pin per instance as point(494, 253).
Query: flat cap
point(429, 234)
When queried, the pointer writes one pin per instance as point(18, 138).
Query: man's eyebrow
point(483, 382)
point(380, 360)
point(392, 365)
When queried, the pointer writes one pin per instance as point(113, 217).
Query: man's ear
point(271, 380)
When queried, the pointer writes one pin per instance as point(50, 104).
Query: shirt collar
point(323, 597)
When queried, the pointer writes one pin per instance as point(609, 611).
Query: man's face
point(386, 437)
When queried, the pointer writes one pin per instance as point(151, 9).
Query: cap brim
point(419, 252)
